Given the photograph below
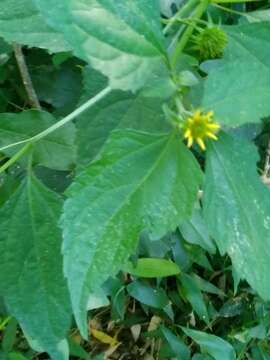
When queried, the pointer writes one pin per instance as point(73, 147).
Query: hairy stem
point(33, 99)
point(16, 157)
point(51, 129)
point(188, 32)
point(73, 115)
point(183, 11)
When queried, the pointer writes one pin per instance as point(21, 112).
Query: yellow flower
point(200, 126)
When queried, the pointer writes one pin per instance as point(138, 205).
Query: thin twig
point(33, 99)
point(183, 11)
point(198, 12)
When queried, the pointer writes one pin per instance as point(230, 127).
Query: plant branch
point(188, 32)
point(51, 129)
point(33, 99)
point(231, 11)
point(16, 157)
point(183, 11)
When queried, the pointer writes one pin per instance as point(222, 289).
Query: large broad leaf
point(56, 151)
point(21, 22)
point(238, 88)
point(140, 181)
point(237, 209)
point(118, 110)
point(122, 39)
point(31, 277)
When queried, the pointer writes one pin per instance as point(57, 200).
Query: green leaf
point(121, 39)
point(16, 356)
point(31, 279)
point(59, 87)
point(212, 345)
point(179, 348)
point(97, 300)
point(201, 357)
point(237, 209)
point(257, 16)
point(77, 350)
point(206, 286)
point(151, 268)
point(155, 297)
point(195, 231)
point(21, 22)
point(192, 292)
point(244, 73)
point(8, 184)
point(118, 110)
point(140, 181)
point(99, 357)
point(9, 336)
point(56, 151)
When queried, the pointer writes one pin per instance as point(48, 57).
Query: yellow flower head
point(200, 126)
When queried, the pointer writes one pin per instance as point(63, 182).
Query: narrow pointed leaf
point(151, 268)
point(237, 209)
point(177, 345)
point(193, 294)
point(195, 231)
point(31, 278)
point(147, 295)
point(140, 181)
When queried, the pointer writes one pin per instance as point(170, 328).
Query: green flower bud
point(210, 42)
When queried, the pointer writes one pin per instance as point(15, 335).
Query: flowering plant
point(128, 123)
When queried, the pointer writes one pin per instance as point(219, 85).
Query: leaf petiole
point(188, 32)
point(16, 157)
point(183, 11)
point(29, 142)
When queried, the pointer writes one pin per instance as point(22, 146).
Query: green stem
point(188, 32)
point(29, 142)
point(4, 323)
point(231, 11)
point(74, 114)
point(244, 350)
point(64, 121)
point(183, 11)
point(233, 1)
point(16, 157)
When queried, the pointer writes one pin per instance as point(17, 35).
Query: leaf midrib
point(148, 174)
point(41, 275)
point(233, 187)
